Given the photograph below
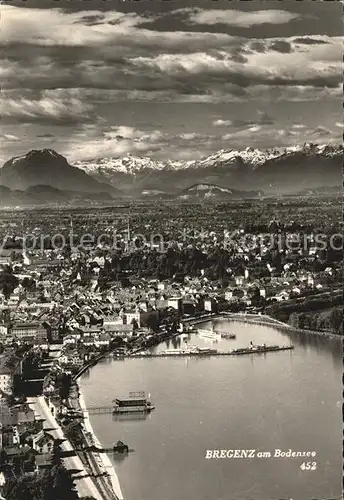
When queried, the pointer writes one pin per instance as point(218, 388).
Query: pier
point(100, 409)
point(210, 352)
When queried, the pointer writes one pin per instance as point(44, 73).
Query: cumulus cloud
point(298, 126)
point(256, 123)
point(58, 28)
point(49, 48)
point(310, 40)
point(222, 123)
point(322, 131)
point(60, 107)
point(238, 18)
point(9, 137)
point(189, 136)
point(93, 142)
point(277, 136)
point(281, 46)
point(116, 141)
point(114, 56)
point(200, 69)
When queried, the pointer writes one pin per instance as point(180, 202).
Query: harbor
point(201, 400)
point(199, 351)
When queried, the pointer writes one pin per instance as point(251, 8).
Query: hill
point(214, 192)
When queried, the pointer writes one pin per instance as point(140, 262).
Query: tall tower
point(128, 228)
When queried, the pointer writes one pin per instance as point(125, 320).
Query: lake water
point(279, 400)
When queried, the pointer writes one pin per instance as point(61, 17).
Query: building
point(9, 435)
point(43, 461)
point(119, 330)
point(5, 257)
point(43, 442)
point(175, 303)
point(103, 340)
point(6, 379)
point(27, 331)
point(3, 330)
point(131, 316)
point(210, 304)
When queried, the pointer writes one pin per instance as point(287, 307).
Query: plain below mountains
point(48, 195)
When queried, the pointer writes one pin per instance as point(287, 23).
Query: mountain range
point(46, 175)
point(278, 170)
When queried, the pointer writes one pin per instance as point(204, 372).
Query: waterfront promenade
point(84, 482)
point(101, 459)
point(97, 478)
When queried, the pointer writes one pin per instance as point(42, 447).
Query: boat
point(206, 350)
point(136, 402)
point(209, 333)
point(227, 336)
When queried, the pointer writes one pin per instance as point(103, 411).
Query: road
point(104, 474)
point(85, 484)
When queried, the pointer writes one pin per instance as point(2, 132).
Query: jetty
point(209, 352)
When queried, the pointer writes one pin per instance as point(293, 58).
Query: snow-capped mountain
point(275, 170)
point(229, 156)
point(128, 164)
point(287, 170)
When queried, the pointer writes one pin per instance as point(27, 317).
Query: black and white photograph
point(171, 250)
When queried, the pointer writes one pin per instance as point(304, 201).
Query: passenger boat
point(209, 333)
point(227, 336)
point(206, 350)
point(137, 402)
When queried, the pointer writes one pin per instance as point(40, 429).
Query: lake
point(263, 402)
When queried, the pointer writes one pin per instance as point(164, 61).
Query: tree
point(135, 324)
point(73, 433)
point(63, 487)
point(8, 282)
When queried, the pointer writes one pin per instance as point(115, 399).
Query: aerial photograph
point(171, 250)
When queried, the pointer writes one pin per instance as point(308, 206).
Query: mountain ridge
point(46, 167)
point(276, 169)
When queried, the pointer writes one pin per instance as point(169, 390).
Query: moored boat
point(209, 333)
point(227, 336)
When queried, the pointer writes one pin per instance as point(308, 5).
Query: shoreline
point(105, 460)
point(270, 321)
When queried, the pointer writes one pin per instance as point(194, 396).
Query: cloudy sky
point(168, 79)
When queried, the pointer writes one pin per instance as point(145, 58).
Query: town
point(71, 293)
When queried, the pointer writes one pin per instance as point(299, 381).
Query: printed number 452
point(308, 466)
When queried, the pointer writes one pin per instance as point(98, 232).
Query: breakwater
point(210, 352)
